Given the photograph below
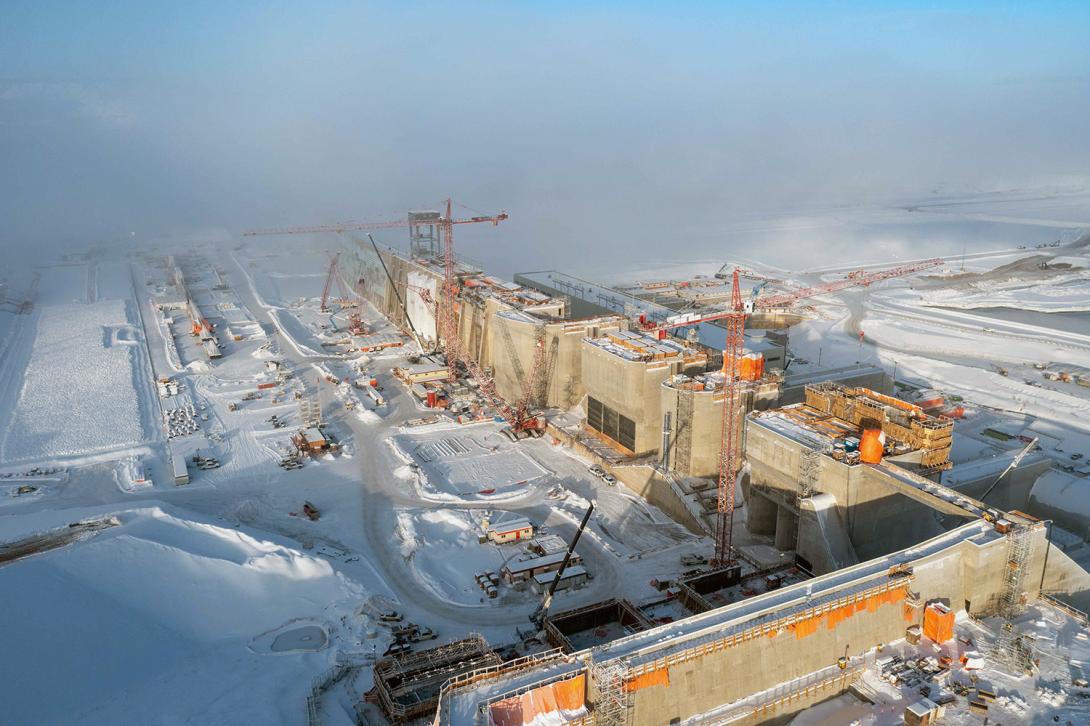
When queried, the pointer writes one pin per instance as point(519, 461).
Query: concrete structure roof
point(532, 564)
point(609, 299)
point(571, 571)
point(512, 526)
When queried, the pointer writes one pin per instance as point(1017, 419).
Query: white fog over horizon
point(616, 138)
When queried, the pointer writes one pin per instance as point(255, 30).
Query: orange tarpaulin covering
point(659, 677)
point(751, 366)
point(871, 446)
point(938, 622)
point(571, 694)
point(562, 700)
point(834, 617)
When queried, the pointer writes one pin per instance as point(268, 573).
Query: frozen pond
point(307, 637)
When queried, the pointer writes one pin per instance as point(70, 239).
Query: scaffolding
point(683, 430)
point(809, 471)
point(310, 406)
point(611, 708)
point(1011, 648)
point(900, 421)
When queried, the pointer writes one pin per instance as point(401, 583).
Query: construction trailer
point(513, 530)
point(178, 464)
point(573, 576)
point(311, 441)
point(524, 571)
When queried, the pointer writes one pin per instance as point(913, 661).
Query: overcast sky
point(609, 131)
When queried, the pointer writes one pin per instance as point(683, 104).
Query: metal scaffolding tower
point(611, 707)
point(809, 469)
point(683, 430)
point(1012, 649)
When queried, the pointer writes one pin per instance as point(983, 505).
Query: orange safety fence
point(837, 615)
point(564, 698)
point(657, 677)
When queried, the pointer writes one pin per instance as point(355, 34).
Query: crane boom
point(1013, 465)
point(858, 278)
point(493, 219)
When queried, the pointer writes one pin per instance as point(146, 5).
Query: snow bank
point(79, 391)
point(151, 621)
point(444, 553)
point(1067, 291)
point(1064, 497)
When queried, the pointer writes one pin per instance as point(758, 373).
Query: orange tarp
point(938, 623)
point(658, 677)
point(565, 698)
point(571, 694)
point(834, 617)
point(871, 446)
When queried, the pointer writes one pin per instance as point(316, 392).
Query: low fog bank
point(612, 135)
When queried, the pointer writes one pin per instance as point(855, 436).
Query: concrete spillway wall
point(504, 344)
point(696, 421)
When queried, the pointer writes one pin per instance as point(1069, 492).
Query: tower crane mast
point(330, 275)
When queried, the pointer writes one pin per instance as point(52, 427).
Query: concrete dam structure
point(773, 654)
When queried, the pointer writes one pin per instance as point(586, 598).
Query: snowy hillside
point(155, 621)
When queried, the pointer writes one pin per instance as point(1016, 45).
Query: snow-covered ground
point(154, 621)
point(467, 462)
point(927, 332)
point(441, 546)
point(217, 603)
point(78, 382)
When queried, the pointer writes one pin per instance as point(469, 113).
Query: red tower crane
point(330, 275)
point(735, 317)
point(355, 318)
point(448, 320)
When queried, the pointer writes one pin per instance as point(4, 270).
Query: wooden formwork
point(901, 421)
